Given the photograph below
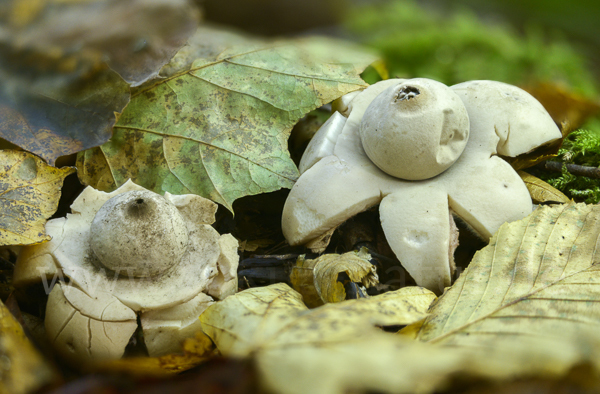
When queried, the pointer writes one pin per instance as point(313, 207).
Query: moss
point(457, 47)
point(580, 147)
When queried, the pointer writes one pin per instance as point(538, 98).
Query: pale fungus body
point(128, 253)
point(481, 188)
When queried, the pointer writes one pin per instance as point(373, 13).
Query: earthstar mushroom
point(126, 253)
point(481, 188)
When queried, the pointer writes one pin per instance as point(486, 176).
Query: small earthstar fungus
point(128, 253)
point(419, 149)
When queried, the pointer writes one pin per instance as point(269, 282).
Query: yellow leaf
point(275, 316)
point(22, 368)
point(381, 68)
point(336, 348)
point(541, 191)
point(538, 277)
point(195, 351)
point(29, 192)
point(249, 319)
point(381, 362)
point(317, 280)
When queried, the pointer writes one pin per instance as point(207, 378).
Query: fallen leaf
point(218, 126)
point(318, 279)
point(565, 106)
point(275, 315)
point(265, 311)
point(58, 96)
point(254, 245)
point(373, 361)
point(538, 277)
point(541, 191)
point(539, 155)
point(29, 194)
point(336, 348)
point(137, 38)
point(195, 351)
point(22, 367)
point(56, 107)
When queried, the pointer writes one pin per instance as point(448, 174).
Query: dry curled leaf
point(319, 282)
point(541, 191)
point(217, 125)
point(29, 194)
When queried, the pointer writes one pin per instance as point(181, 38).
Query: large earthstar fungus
point(419, 149)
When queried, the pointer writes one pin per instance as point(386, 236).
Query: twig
point(575, 169)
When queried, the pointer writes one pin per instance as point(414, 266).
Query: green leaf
point(538, 278)
point(218, 126)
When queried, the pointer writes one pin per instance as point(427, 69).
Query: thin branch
point(575, 169)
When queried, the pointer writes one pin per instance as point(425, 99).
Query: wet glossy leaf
point(29, 194)
point(537, 278)
point(218, 126)
point(318, 280)
point(541, 191)
point(22, 367)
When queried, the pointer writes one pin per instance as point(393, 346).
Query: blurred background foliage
point(548, 47)
point(458, 45)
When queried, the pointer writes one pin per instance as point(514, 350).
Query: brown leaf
point(541, 191)
point(57, 94)
point(565, 107)
point(57, 106)
point(136, 37)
